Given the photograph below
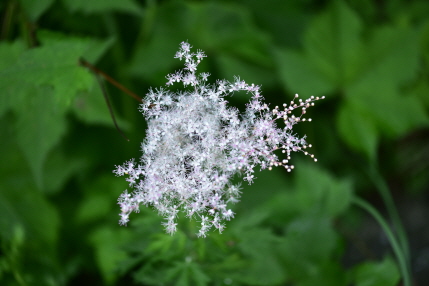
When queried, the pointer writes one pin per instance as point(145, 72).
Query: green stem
point(384, 191)
point(397, 249)
point(7, 20)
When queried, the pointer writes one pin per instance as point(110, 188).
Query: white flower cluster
point(195, 144)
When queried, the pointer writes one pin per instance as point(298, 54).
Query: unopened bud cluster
point(195, 143)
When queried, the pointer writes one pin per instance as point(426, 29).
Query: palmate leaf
point(332, 44)
point(300, 75)
point(375, 97)
point(39, 86)
point(392, 113)
point(54, 65)
point(187, 273)
point(331, 55)
point(370, 72)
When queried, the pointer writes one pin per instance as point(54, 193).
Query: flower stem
point(397, 249)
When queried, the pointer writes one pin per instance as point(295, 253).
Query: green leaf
point(266, 185)
point(34, 9)
point(94, 48)
point(39, 85)
point(39, 128)
point(91, 108)
point(187, 273)
point(392, 54)
point(336, 56)
point(53, 65)
point(322, 194)
point(231, 66)
point(384, 273)
point(99, 199)
point(228, 30)
point(299, 75)
point(332, 54)
point(357, 128)
point(23, 205)
point(332, 44)
point(258, 244)
point(393, 114)
point(303, 255)
point(9, 54)
point(59, 168)
point(165, 245)
point(102, 6)
point(107, 242)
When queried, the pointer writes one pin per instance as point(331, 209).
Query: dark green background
point(58, 145)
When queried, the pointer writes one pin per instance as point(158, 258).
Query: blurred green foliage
point(58, 145)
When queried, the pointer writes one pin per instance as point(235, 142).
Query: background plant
point(58, 212)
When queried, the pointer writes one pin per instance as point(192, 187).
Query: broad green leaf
point(94, 49)
point(332, 44)
point(21, 204)
point(299, 75)
point(99, 199)
point(12, 165)
point(259, 247)
point(323, 194)
point(39, 85)
point(393, 55)
point(332, 55)
point(53, 65)
point(102, 6)
point(392, 113)
point(91, 108)
point(108, 245)
point(383, 273)
point(285, 22)
point(357, 128)
point(337, 57)
point(9, 54)
point(39, 127)
point(266, 185)
point(59, 168)
point(88, 106)
point(309, 243)
point(34, 9)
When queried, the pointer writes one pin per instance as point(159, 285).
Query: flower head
point(195, 143)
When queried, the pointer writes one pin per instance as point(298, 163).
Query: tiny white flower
point(195, 144)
